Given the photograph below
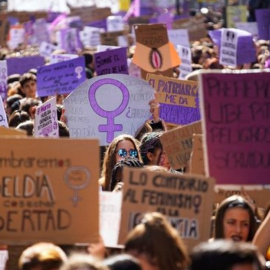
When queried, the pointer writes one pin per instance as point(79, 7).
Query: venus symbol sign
point(111, 126)
point(108, 105)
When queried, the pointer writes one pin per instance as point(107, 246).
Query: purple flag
point(60, 78)
point(263, 20)
point(111, 61)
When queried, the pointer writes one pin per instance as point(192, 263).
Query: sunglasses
point(123, 152)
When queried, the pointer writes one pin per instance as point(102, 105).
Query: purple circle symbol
point(110, 127)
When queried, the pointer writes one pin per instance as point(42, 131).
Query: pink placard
point(235, 110)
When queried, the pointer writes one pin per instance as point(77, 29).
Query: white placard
point(90, 36)
point(56, 58)
point(102, 48)
point(115, 23)
point(110, 204)
point(251, 27)
point(228, 48)
point(179, 37)
point(16, 37)
point(3, 79)
point(185, 55)
point(3, 116)
point(46, 49)
point(3, 259)
point(45, 124)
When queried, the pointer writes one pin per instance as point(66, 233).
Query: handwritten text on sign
point(174, 195)
point(236, 116)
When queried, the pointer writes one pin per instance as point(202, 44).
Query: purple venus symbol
point(110, 127)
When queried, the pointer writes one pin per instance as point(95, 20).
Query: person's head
point(10, 100)
point(28, 83)
point(42, 256)
point(28, 126)
point(17, 118)
point(63, 129)
point(83, 262)
point(29, 105)
point(235, 220)
point(120, 147)
point(152, 150)
point(118, 169)
point(123, 262)
point(225, 255)
point(157, 244)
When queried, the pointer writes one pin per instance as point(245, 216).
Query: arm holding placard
point(262, 236)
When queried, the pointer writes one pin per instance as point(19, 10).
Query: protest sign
point(111, 61)
point(45, 124)
point(91, 14)
point(46, 49)
point(110, 204)
point(179, 37)
point(12, 132)
point(185, 200)
point(107, 106)
point(251, 27)
point(40, 32)
point(49, 193)
point(115, 23)
point(154, 53)
point(243, 50)
point(263, 21)
point(68, 39)
point(197, 156)
point(185, 55)
point(178, 99)
point(195, 26)
point(3, 259)
point(3, 79)
point(90, 36)
point(57, 58)
point(101, 24)
point(178, 144)
point(260, 196)
point(235, 14)
point(60, 78)
point(16, 36)
point(22, 65)
point(133, 70)
point(102, 48)
point(3, 116)
point(111, 38)
point(234, 107)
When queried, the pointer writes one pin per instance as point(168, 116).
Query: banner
point(187, 201)
point(107, 106)
point(234, 107)
point(49, 193)
point(178, 99)
point(178, 144)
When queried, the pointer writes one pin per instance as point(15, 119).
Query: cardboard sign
point(178, 144)
point(236, 124)
point(91, 14)
point(3, 79)
point(195, 26)
point(45, 124)
point(107, 106)
point(49, 193)
point(263, 21)
point(185, 200)
point(111, 38)
point(22, 65)
point(185, 55)
point(235, 14)
point(12, 132)
point(3, 116)
point(259, 196)
point(60, 78)
point(154, 53)
point(178, 99)
point(197, 156)
point(111, 61)
point(110, 204)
